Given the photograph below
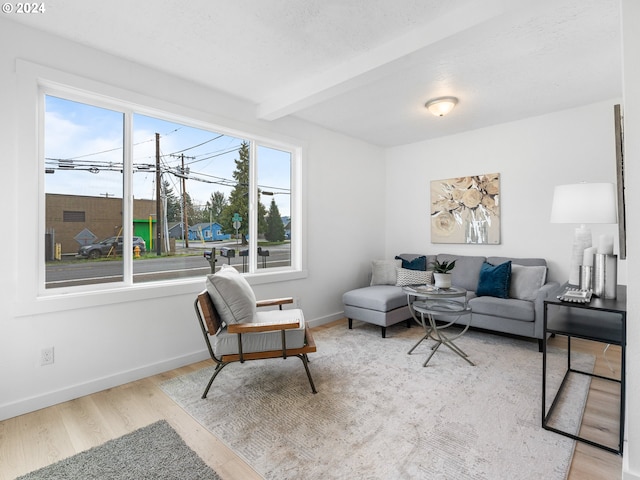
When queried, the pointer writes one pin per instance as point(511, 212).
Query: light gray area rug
point(379, 414)
point(153, 452)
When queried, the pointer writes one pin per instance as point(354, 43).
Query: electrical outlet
point(46, 356)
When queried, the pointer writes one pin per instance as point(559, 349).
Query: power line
point(216, 153)
point(120, 148)
point(195, 146)
point(165, 167)
point(219, 154)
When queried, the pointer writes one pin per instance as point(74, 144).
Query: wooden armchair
point(255, 341)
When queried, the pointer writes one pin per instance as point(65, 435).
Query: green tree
point(215, 206)
point(173, 202)
point(275, 227)
point(197, 213)
point(239, 198)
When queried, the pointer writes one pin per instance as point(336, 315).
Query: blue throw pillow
point(494, 280)
point(418, 263)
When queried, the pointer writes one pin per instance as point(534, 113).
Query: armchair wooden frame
point(210, 323)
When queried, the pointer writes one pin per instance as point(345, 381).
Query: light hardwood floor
point(37, 439)
point(600, 420)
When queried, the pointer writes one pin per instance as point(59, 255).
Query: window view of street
point(191, 191)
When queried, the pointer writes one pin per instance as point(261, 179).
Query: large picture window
point(132, 197)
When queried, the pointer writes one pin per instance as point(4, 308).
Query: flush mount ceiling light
point(441, 106)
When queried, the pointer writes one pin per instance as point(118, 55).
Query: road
point(186, 263)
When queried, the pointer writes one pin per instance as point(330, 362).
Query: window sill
point(73, 300)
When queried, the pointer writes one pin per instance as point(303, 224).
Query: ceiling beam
point(381, 60)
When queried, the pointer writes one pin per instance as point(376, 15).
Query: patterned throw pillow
point(406, 276)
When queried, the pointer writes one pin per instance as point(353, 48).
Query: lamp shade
point(441, 106)
point(584, 203)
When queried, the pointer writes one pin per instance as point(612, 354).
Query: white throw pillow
point(232, 296)
point(526, 281)
point(413, 277)
point(383, 272)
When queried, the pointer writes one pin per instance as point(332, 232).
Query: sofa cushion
point(540, 262)
point(413, 277)
point(383, 272)
point(526, 281)
point(522, 310)
point(466, 272)
point(411, 261)
point(494, 280)
point(232, 296)
point(382, 298)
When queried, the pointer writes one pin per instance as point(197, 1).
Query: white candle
point(588, 256)
point(605, 244)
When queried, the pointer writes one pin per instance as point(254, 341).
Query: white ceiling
point(366, 67)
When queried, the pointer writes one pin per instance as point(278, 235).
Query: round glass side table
point(427, 303)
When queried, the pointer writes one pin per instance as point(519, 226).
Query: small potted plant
point(441, 273)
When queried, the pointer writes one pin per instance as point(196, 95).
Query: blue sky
point(90, 140)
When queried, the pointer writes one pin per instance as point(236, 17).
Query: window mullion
point(42, 204)
point(127, 200)
point(253, 210)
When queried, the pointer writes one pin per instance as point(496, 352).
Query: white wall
point(631, 89)
point(532, 156)
point(102, 341)
point(360, 206)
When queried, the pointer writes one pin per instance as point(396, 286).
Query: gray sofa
point(520, 314)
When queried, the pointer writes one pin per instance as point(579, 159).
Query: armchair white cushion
point(232, 296)
point(225, 343)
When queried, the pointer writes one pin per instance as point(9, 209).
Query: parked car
point(109, 245)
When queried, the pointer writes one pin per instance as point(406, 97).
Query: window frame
point(36, 82)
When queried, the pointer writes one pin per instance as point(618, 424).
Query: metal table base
point(449, 304)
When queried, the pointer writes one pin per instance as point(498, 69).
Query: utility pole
point(184, 205)
point(158, 206)
point(183, 184)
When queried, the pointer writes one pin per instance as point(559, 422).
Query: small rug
point(153, 452)
point(379, 414)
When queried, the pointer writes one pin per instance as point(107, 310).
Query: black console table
point(600, 320)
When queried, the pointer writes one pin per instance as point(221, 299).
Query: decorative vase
point(442, 280)
point(476, 230)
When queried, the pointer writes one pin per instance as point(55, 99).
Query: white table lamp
point(582, 204)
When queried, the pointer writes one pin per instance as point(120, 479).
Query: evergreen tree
point(275, 227)
point(239, 199)
point(196, 213)
point(192, 217)
point(173, 202)
point(215, 206)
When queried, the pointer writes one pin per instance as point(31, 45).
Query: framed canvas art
point(466, 210)
point(622, 218)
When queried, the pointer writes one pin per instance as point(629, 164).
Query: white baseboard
point(626, 474)
point(31, 404)
point(316, 322)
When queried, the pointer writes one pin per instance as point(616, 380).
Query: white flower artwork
point(466, 210)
